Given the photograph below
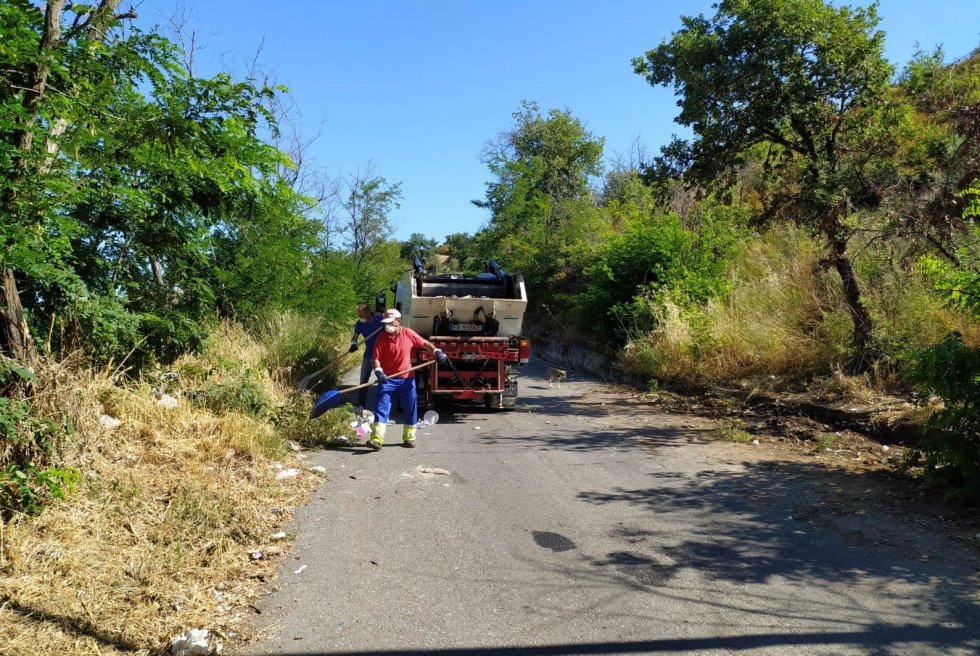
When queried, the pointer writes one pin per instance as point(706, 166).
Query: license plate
point(469, 327)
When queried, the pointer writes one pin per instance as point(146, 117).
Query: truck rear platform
point(476, 321)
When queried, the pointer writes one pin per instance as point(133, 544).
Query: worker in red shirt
point(393, 353)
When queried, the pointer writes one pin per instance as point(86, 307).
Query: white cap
point(390, 315)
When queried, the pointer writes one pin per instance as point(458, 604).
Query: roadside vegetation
point(817, 230)
point(173, 264)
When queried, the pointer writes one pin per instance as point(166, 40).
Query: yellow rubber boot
point(408, 436)
point(377, 436)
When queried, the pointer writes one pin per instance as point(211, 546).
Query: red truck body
point(476, 321)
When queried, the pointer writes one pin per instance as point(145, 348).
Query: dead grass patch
point(158, 538)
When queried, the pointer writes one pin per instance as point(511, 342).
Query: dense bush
point(950, 449)
point(624, 296)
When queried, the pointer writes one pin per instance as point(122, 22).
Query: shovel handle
point(394, 375)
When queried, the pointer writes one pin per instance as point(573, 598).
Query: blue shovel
point(331, 399)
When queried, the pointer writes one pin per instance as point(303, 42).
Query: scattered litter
point(885, 447)
point(755, 441)
point(430, 418)
point(281, 535)
point(168, 402)
point(433, 470)
point(341, 440)
point(256, 555)
point(476, 428)
point(287, 473)
point(109, 422)
point(195, 642)
point(277, 510)
point(177, 604)
point(217, 594)
point(317, 469)
point(293, 446)
point(300, 570)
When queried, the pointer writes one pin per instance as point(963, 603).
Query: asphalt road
point(582, 523)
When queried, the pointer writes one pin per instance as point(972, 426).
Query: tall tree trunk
point(863, 325)
point(15, 337)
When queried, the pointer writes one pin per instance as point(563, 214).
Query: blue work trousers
point(405, 389)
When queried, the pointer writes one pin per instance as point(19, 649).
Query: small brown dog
point(556, 376)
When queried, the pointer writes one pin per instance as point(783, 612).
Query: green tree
point(145, 196)
point(808, 80)
point(418, 245)
point(366, 209)
point(39, 48)
point(940, 156)
point(540, 199)
point(461, 248)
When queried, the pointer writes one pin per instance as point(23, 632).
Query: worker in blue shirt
point(368, 325)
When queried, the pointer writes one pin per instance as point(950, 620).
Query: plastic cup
point(431, 417)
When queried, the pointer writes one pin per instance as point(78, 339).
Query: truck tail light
point(524, 350)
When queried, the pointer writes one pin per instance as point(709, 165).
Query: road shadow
point(78, 626)
point(877, 637)
point(798, 523)
point(546, 434)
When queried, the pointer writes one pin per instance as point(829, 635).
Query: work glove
point(353, 347)
point(380, 373)
point(441, 357)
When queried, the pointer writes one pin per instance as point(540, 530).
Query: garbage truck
point(476, 320)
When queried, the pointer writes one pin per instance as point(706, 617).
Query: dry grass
point(779, 319)
point(840, 386)
point(157, 539)
point(785, 319)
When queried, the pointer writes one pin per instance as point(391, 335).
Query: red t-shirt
point(395, 351)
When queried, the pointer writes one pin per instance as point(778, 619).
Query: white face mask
point(391, 329)
point(361, 320)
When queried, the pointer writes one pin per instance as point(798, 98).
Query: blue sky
point(419, 87)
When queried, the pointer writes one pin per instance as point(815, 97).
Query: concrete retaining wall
point(582, 360)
